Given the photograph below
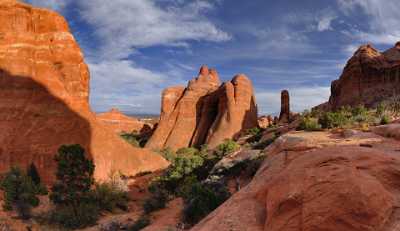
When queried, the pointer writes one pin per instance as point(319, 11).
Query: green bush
point(309, 124)
point(334, 119)
point(201, 200)
point(226, 148)
point(20, 192)
point(140, 224)
point(74, 217)
point(108, 197)
point(71, 193)
point(168, 154)
point(132, 138)
point(158, 199)
point(385, 119)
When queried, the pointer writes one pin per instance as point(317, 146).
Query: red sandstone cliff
point(205, 112)
point(44, 88)
point(368, 78)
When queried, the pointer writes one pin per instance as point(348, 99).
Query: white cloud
point(383, 18)
point(124, 25)
point(301, 98)
point(325, 21)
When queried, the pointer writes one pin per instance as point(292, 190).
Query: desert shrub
point(132, 138)
point(71, 193)
point(158, 199)
point(381, 109)
point(20, 192)
point(385, 119)
point(109, 197)
point(140, 224)
point(263, 144)
point(76, 216)
point(309, 124)
point(334, 119)
point(203, 199)
point(167, 153)
point(227, 147)
point(360, 114)
point(256, 134)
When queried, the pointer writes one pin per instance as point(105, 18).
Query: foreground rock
point(318, 181)
point(119, 122)
point(44, 89)
point(368, 78)
point(205, 112)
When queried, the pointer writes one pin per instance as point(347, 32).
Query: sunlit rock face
point(368, 78)
point(312, 181)
point(205, 112)
point(44, 89)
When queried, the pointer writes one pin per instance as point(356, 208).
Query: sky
point(136, 48)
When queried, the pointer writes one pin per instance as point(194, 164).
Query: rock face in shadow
point(44, 89)
point(205, 112)
point(368, 78)
point(316, 181)
point(119, 122)
point(284, 116)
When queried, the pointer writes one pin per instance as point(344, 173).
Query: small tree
point(20, 192)
point(33, 174)
point(74, 179)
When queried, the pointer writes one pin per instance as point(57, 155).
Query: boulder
point(44, 91)
point(368, 78)
point(315, 181)
point(265, 121)
point(205, 112)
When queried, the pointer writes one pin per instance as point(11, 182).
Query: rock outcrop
point(318, 181)
point(265, 121)
point(368, 78)
point(205, 112)
point(44, 89)
point(119, 122)
point(284, 116)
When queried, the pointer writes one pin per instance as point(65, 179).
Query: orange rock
point(368, 78)
point(44, 89)
point(204, 112)
point(119, 122)
point(312, 182)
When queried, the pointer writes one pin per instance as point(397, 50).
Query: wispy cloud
point(382, 16)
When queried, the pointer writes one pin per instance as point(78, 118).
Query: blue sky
point(136, 48)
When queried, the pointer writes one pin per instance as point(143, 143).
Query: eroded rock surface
point(44, 89)
point(318, 181)
point(205, 112)
point(368, 78)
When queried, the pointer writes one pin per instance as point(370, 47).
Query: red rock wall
point(205, 112)
point(368, 78)
point(44, 89)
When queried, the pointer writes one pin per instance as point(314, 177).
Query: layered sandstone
point(44, 89)
point(368, 78)
point(119, 122)
point(318, 181)
point(205, 112)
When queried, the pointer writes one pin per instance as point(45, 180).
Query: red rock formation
point(284, 116)
point(265, 121)
point(118, 122)
point(237, 111)
point(368, 78)
point(313, 182)
point(44, 89)
point(204, 112)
